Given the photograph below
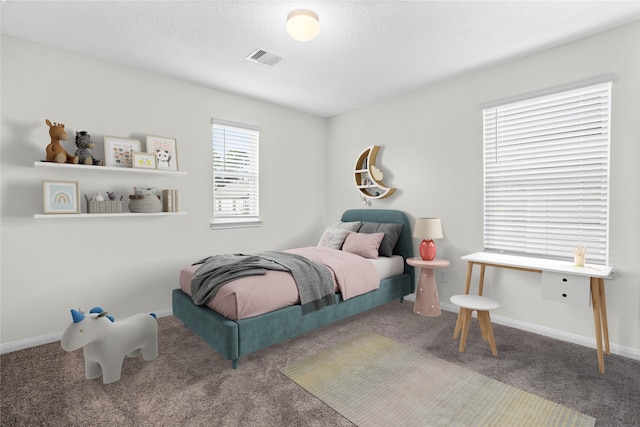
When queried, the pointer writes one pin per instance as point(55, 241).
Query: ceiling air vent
point(263, 57)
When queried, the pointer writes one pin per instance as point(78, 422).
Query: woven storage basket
point(107, 206)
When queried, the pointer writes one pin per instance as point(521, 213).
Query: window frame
point(251, 142)
point(540, 235)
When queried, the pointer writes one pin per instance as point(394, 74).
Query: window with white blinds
point(546, 174)
point(236, 173)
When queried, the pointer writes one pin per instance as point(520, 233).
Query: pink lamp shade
point(428, 229)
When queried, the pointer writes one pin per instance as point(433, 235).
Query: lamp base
point(427, 250)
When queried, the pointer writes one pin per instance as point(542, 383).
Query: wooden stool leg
point(485, 319)
point(483, 326)
point(456, 331)
point(466, 319)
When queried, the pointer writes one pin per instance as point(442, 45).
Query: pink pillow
point(363, 244)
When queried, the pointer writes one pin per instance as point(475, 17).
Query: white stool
point(467, 304)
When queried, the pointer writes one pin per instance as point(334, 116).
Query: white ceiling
point(366, 51)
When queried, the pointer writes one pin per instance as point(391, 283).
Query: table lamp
point(428, 229)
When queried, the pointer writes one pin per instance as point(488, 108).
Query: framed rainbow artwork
point(60, 197)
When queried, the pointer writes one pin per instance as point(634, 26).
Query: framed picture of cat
point(165, 151)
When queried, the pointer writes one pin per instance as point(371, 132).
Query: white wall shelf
point(68, 166)
point(104, 215)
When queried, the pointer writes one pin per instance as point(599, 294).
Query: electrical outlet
point(441, 275)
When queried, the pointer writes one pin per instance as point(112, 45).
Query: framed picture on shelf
point(60, 197)
point(165, 151)
point(118, 152)
point(143, 160)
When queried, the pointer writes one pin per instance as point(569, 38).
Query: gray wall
point(431, 151)
point(431, 143)
point(130, 265)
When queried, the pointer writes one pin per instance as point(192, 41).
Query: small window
point(236, 175)
point(546, 174)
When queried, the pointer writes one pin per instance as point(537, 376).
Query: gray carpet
point(191, 385)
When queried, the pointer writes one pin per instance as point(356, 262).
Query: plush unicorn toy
point(107, 342)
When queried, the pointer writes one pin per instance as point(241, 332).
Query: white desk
point(595, 273)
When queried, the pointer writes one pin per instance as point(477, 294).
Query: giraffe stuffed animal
point(55, 151)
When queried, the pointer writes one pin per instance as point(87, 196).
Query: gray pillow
point(391, 235)
point(351, 226)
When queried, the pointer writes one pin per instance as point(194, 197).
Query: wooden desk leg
point(467, 285)
point(597, 320)
point(427, 301)
point(603, 315)
point(481, 282)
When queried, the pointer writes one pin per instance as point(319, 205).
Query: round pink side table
point(427, 302)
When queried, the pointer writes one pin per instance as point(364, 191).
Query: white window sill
point(222, 224)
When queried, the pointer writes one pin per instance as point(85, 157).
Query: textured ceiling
point(366, 51)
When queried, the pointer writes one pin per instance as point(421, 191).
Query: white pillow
point(333, 237)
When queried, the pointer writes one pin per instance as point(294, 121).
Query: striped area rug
point(374, 381)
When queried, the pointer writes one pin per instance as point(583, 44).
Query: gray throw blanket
point(314, 281)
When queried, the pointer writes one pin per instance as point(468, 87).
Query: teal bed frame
point(233, 339)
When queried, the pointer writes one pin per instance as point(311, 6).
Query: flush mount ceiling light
point(303, 25)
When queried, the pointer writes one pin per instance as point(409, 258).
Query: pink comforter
point(353, 274)
point(255, 295)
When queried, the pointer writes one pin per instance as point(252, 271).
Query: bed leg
point(234, 363)
point(401, 300)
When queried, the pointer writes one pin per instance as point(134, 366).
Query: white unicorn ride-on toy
point(107, 342)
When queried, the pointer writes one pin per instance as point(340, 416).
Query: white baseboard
point(30, 342)
point(53, 337)
point(529, 327)
point(553, 333)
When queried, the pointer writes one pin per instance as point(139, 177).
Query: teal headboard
point(404, 247)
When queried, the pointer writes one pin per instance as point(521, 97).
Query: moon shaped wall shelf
point(368, 177)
